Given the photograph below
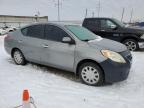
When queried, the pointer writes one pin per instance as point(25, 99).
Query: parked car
point(73, 48)
point(2, 32)
point(115, 30)
point(9, 29)
point(140, 24)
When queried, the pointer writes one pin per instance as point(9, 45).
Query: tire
point(131, 44)
point(10, 31)
point(18, 57)
point(91, 74)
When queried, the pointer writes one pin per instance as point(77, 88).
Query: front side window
point(106, 24)
point(119, 23)
point(36, 31)
point(54, 33)
point(82, 33)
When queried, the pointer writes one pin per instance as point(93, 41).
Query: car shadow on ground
point(141, 50)
point(47, 69)
point(65, 74)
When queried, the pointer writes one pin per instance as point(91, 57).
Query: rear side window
point(54, 33)
point(91, 24)
point(36, 31)
point(24, 31)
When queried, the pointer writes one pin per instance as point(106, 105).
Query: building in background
point(19, 21)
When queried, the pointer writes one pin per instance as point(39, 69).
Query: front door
point(55, 53)
point(109, 30)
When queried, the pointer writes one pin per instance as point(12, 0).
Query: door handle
point(45, 46)
point(20, 41)
point(103, 30)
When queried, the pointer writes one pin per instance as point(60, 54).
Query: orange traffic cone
point(26, 99)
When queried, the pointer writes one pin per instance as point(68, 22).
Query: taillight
point(7, 37)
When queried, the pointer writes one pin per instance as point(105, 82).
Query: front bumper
point(141, 44)
point(115, 72)
point(7, 47)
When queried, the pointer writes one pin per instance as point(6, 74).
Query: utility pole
point(37, 16)
point(57, 4)
point(99, 6)
point(86, 12)
point(122, 14)
point(92, 14)
point(38, 13)
point(58, 10)
point(131, 15)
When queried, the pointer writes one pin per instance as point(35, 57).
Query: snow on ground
point(53, 88)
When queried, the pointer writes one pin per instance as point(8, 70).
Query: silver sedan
point(73, 48)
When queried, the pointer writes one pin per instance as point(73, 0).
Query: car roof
point(52, 23)
point(97, 18)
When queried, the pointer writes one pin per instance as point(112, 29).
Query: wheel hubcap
point(90, 75)
point(131, 45)
point(18, 57)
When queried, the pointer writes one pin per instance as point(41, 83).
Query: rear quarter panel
point(12, 41)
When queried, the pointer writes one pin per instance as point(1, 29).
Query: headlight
point(113, 56)
point(142, 37)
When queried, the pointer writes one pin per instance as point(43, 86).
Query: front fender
point(88, 54)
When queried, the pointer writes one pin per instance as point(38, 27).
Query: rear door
point(31, 42)
point(93, 25)
point(55, 53)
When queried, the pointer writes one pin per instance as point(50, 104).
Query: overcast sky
point(73, 9)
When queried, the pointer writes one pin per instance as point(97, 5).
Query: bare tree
point(93, 14)
point(123, 11)
point(131, 16)
point(86, 12)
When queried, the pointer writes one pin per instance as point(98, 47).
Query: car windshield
point(119, 23)
point(82, 33)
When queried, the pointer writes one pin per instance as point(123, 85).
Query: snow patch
point(52, 88)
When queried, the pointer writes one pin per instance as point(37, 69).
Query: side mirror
point(114, 27)
point(68, 40)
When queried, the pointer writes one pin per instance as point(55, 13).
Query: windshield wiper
point(86, 40)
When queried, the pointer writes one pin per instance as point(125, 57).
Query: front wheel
point(91, 74)
point(18, 57)
point(131, 44)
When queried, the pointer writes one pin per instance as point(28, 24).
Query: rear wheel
point(131, 44)
point(91, 74)
point(18, 57)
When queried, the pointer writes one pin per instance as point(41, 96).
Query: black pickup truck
point(113, 29)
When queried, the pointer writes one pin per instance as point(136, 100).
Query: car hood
point(134, 30)
point(107, 45)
